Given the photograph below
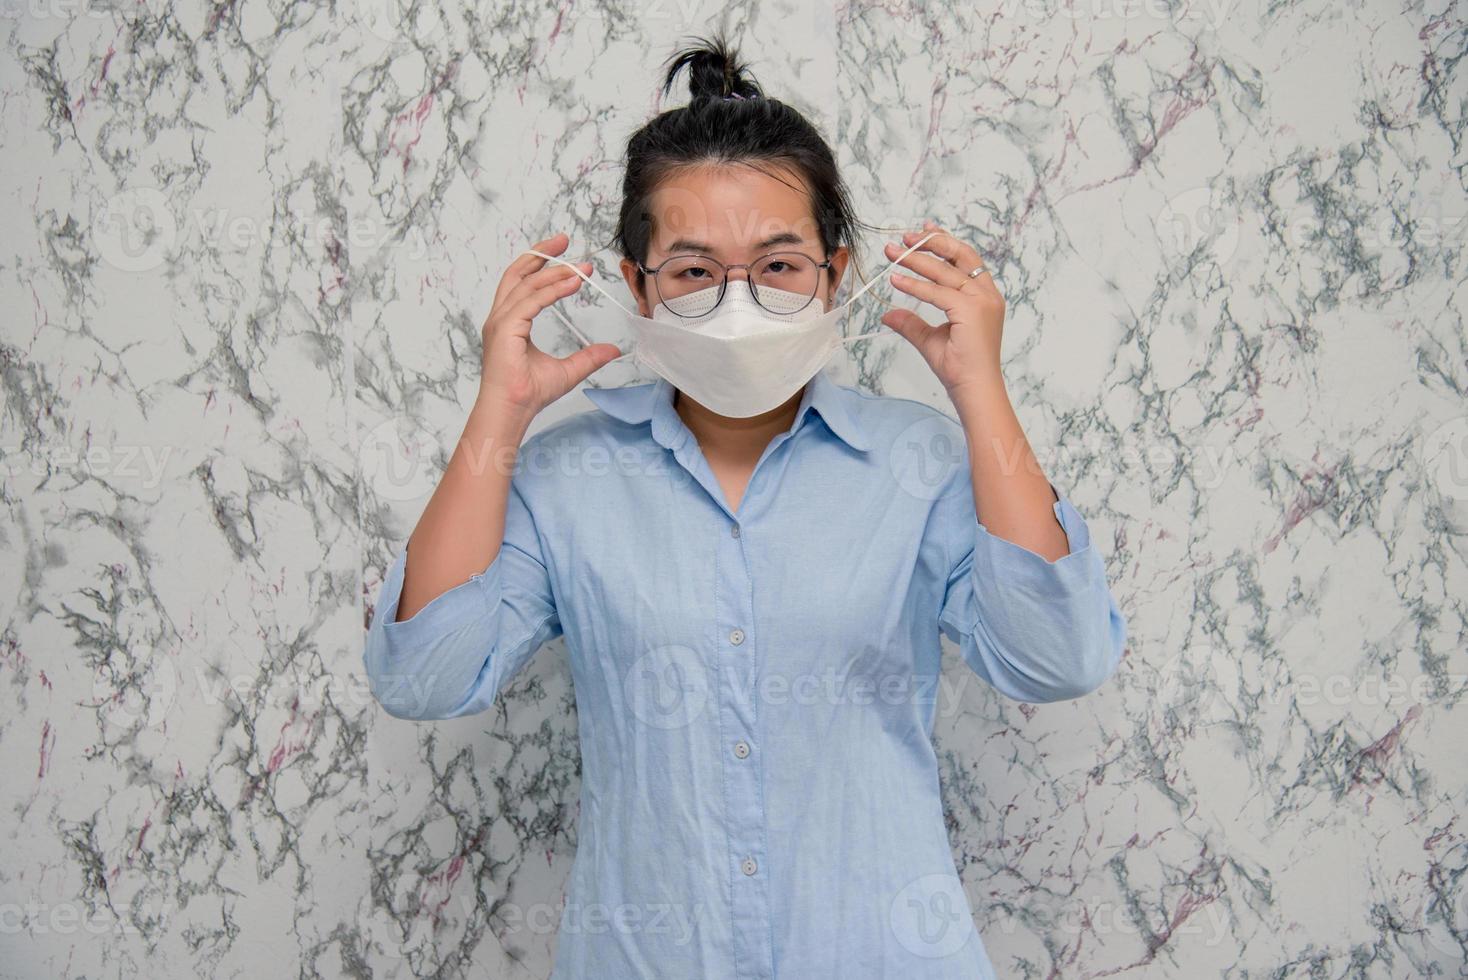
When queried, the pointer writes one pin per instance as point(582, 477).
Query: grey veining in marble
point(246, 256)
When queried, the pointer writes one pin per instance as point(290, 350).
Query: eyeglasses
point(781, 282)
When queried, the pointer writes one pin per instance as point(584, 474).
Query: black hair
point(729, 120)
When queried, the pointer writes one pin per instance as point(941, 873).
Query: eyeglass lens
point(781, 282)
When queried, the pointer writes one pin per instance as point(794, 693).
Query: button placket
point(738, 706)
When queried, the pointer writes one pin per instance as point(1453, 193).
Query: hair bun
point(714, 71)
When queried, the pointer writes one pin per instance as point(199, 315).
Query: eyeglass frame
point(724, 283)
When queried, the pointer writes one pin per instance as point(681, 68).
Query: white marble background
point(246, 255)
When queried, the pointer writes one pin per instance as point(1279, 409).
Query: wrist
point(502, 416)
point(491, 438)
point(498, 428)
point(977, 389)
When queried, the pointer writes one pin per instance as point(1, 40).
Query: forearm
point(1012, 497)
point(463, 526)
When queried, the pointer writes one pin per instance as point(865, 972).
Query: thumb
point(580, 365)
point(911, 327)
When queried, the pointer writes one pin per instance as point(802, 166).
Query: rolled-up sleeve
point(1037, 630)
point(453, 656)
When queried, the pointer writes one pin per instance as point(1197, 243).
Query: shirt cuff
point(451, 610)
point(1054, 624)
point(1069, 569)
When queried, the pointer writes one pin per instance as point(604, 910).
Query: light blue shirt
point(755, 689)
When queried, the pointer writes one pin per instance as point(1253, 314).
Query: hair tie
point(733, 95)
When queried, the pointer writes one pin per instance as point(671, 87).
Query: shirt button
point(734, 531)
point(748, 866)
point(736, 636)
point(741, 749)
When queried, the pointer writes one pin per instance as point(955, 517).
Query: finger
point(545, 277)
point(908, 324)
point(583, 363)
point(527, 287)
point(526, 263)
point(935, 269)
point(944, 298)
point(963, 256)
point(520, 315)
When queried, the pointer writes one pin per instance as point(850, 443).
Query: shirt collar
point(653, 402)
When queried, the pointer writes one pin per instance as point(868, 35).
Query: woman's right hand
point(518, 377)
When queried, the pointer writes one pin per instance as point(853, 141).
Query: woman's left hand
point(964, 351)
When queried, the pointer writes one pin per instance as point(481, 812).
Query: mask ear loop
point(890, 266)
point(561, 315)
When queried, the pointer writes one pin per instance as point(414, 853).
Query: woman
point(751, 599)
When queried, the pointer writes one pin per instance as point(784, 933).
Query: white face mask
point(739, 359)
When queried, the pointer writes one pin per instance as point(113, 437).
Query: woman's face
point(734, 214)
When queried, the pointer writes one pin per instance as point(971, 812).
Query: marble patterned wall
point(247, 252)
